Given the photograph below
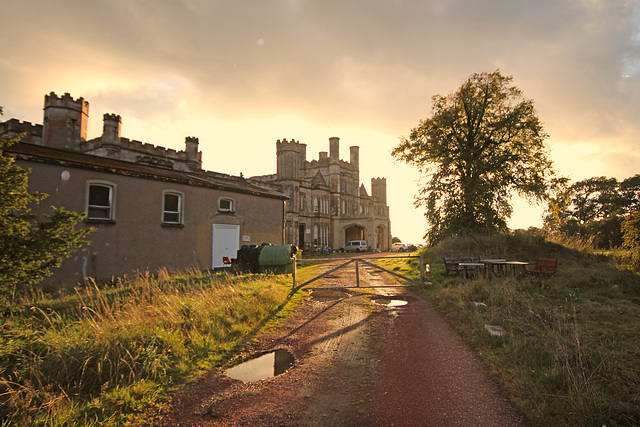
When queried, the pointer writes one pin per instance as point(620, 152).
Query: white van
point(354, 246)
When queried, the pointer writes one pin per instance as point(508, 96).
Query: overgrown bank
point(103, 354)
point(569, 352)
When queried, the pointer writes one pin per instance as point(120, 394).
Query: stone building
point(328, 206)
point(151, 207)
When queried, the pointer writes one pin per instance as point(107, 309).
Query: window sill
point(170, 225)
point(99, 221)
point(228, 213)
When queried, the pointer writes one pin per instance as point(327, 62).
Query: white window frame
point(180, 211)
point(232, 204)
point(110, 208)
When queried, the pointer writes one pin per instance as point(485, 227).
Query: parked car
point(354, 246)
point(399, 247)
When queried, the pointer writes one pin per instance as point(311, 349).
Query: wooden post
point(357, 275)
point(421, 269)
point(293, 273)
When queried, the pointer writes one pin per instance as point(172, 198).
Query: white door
point(226, 241)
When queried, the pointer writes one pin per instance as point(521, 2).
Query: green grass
point(570, 352)
point(104, 355)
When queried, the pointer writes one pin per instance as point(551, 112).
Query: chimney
point(334, 148)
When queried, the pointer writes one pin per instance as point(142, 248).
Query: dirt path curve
point(359, 361)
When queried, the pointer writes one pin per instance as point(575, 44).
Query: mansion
point(328, 206)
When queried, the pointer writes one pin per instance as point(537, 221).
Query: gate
point(424, 270)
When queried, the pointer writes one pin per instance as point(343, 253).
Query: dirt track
point(359, 362)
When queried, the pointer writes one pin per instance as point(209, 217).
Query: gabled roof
point(71, 158)
point(363, 191)
point(319, 180)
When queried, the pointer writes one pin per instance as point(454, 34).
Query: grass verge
point(569, 352)
point(109, 354)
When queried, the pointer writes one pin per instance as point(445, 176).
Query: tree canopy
point(29, 248)
point(593, 208)
point(481, 144)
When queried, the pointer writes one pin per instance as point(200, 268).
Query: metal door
point(226, 241)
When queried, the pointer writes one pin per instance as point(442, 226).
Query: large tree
point(30, 248)
point(481, 144)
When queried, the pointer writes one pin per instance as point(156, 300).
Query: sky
point(240, 75)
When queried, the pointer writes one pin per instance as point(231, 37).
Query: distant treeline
point(594, 208)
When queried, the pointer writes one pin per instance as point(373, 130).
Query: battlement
point(293, 145)
point(113, 117)
point(155, 150)
point(66, 101)
point(13, 127)
point(284, 141)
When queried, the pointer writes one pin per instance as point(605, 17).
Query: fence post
point(293, 273)
point(421, 269)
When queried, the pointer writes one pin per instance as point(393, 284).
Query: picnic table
point(501, 266)
point(489, 267)
point(466, 266)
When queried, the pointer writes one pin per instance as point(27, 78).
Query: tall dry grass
point(93, 356)
point(569, 353)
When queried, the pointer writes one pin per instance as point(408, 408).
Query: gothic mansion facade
point(327, 204)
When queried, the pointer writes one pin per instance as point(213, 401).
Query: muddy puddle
point(267, 365)
point(390, 302)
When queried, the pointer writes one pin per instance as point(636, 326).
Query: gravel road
point(361, 359)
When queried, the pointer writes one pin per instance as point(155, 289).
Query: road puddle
point(391, 302)
point(266, 366)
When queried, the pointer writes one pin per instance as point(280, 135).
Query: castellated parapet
point(65, 127)
point(32, 134)
point(111, 144)
point(65, 121)
point(66, 101)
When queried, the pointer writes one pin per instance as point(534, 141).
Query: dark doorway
point(301, 229)
point(354, 232)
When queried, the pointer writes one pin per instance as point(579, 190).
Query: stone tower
point(65, 121)
point(111, 134)
point(194, 157)
point(379, 189)
point(291, 156)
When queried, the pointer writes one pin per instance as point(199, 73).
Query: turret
point(194, 157)
point(111, 129)
point(379, 189)
point(291, 158)
point(65, 121)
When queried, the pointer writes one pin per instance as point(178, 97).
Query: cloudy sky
point(241, 74)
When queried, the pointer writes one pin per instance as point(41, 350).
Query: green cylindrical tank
point(277, 258)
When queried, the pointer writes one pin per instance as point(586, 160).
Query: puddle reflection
point(266, 366)
point(390, 302)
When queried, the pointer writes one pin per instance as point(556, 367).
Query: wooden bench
point(452, 265)
point(542, 267)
